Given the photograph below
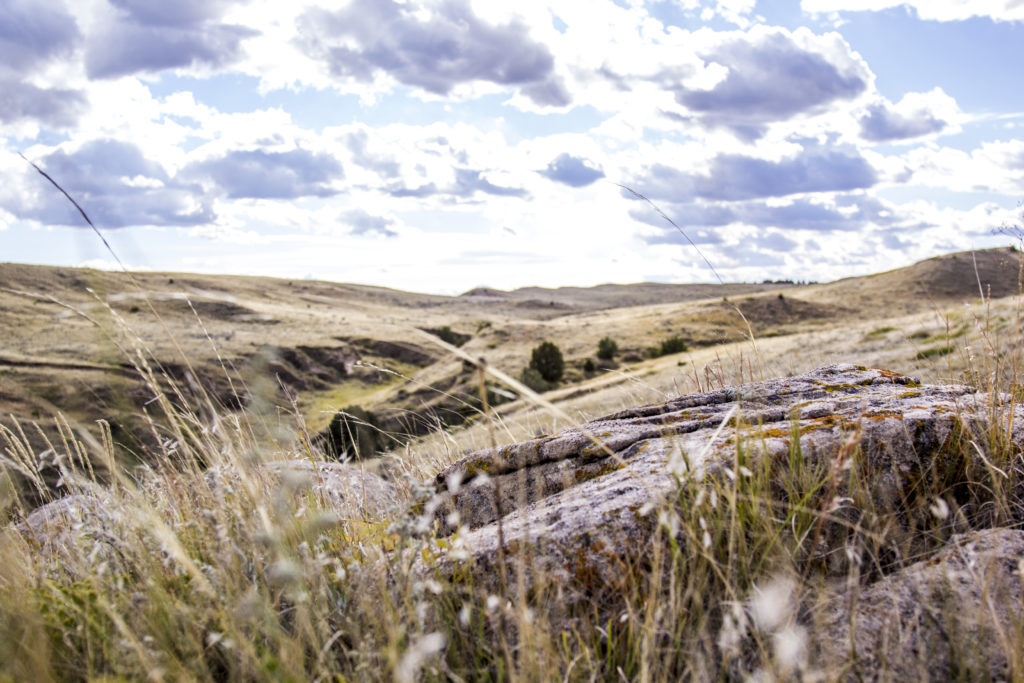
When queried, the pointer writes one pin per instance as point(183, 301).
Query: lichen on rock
point(580, 503)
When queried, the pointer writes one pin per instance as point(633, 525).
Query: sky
point(437, 146)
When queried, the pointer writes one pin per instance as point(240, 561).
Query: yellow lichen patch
point(582, 475)
point(477, 465)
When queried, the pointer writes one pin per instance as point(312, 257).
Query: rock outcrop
point(919, 618)
point(350, 492)
point(581, 503)
point(102, 521)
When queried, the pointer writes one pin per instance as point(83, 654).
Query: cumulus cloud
point(151, 36)
point(32, 35)
point(669, 235)
point(469, 182)
point(54, 107)
point(937, 10)
point(356, 142)
point(258, 174)
point(434, 47)
point(993, 167)
point(700, 220)
point(572, 171)
point(181, 13)
point(427, 190)
point(916, 115)
point(466, 184)
point(773, 75)
point(364, 223)
point(33, 32)
point(548, 93)
point(733, 177)
point(116, 185)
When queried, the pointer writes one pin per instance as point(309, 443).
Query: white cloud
point(915, 116)
point(994, 167)
point(938, 10)
point(755, 139)
point(735, 11)
point(436, 49)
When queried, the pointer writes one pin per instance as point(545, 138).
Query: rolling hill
point(80, 341)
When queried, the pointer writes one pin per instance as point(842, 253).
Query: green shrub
point(607, 348)
point(450, 336)
point(533, 379)
point(588, 366)
point(547, 360)
point(353, 433)
point(674, 344)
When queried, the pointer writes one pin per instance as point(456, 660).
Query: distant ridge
point(484, 291)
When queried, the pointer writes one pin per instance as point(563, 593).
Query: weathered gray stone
point(955, 616)
point(577, 502)
point(51, 525)
point(351, 492)
point(61, 529)
point(79, 528)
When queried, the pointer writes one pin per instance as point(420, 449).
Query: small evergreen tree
point(607, 348)
point(547, 360)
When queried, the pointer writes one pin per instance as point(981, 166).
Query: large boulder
point(914, 624)
point(352, 493)
point(581, 503)
point(53, 529)
point(98, 521)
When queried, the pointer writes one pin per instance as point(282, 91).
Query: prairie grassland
point(200, 566)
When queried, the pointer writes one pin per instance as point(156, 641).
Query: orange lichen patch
point(772, 432)
point(910, 382)
point(828, 421)
point(810, 425)
point(884, 415)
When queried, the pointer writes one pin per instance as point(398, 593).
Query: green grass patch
point(879, 332)
point(934, 352)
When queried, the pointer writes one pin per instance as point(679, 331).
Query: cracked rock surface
point(579, 503)
point(970, 592)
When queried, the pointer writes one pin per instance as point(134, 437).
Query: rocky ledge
point(881, 449)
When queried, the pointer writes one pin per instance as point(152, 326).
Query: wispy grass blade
point(77, 206)
point(674, 225)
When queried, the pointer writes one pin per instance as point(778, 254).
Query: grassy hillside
point(70, 338)
point(199, 566)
